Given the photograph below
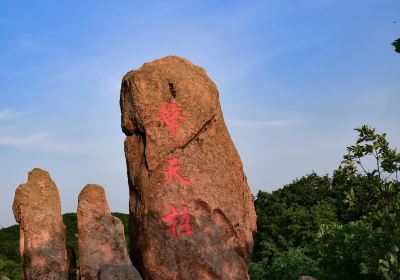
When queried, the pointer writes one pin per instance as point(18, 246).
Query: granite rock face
point(37, 209)
point(191, 210)
point(118, 272)
point(101, 238)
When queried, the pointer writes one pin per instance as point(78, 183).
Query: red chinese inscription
point(171, 115)
point(183, 219)
point(173, 171)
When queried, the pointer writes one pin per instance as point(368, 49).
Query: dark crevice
point(202, 129)
point(142, 134)
point(182, 147)
point(172, 89)
point(136, 205)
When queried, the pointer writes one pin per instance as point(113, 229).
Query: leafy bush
point(347, 227)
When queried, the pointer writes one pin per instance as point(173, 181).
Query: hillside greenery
point(344, 226)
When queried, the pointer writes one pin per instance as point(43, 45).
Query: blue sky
point(295, 78)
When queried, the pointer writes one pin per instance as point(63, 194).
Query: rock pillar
point(191, 210)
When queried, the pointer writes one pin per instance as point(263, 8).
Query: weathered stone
point(101, 238)
point(118, 272)
point(192, 212)
point(37, 209)
point(2, 277)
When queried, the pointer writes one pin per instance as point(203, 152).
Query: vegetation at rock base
point(10, 261)
point(346, 226)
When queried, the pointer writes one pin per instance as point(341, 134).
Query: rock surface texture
point(37, 209)
point(101, 238)
point(192, 213)
point(118, 272)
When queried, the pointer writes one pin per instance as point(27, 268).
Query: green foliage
point(10, 262)
point(258, 270)
point(292, 264)
point(364, 249)
point(347, 227)
point(372, 145)
point(290, 217)
point(10, 268)
point(9, 243)
point(71, 224)
point(396, 45)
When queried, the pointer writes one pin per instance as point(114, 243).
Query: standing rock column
point(37, 209)
point(191, 211)
point(101, 238)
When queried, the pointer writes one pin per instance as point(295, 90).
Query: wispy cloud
point(41, 141)
point(264, 124)
point(375, 101)
point(4, 114)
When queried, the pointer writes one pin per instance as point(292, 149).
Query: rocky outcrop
point(101, 238)
point(37, 209)
point(118, 272)
point(192, 213)
point(4, 277)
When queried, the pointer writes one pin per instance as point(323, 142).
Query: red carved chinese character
point(172, 217)
point(170, 114)
point(184, 221)
point(172, 170)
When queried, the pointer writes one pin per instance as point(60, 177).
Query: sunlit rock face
point(191, 209)
point(101, 238)
point(37, 209)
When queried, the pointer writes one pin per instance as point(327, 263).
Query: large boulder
point(37, 209)
point(101, 238)
point(118, 272)
point(2, 277)
point(191, 210)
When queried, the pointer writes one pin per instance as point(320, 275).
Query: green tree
point(365, 244)
point(288, 220)
point(371, 145)
point(396, 45)
point(347, 227)
point(363, 249)
point(11, 269)
point(292, 264)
